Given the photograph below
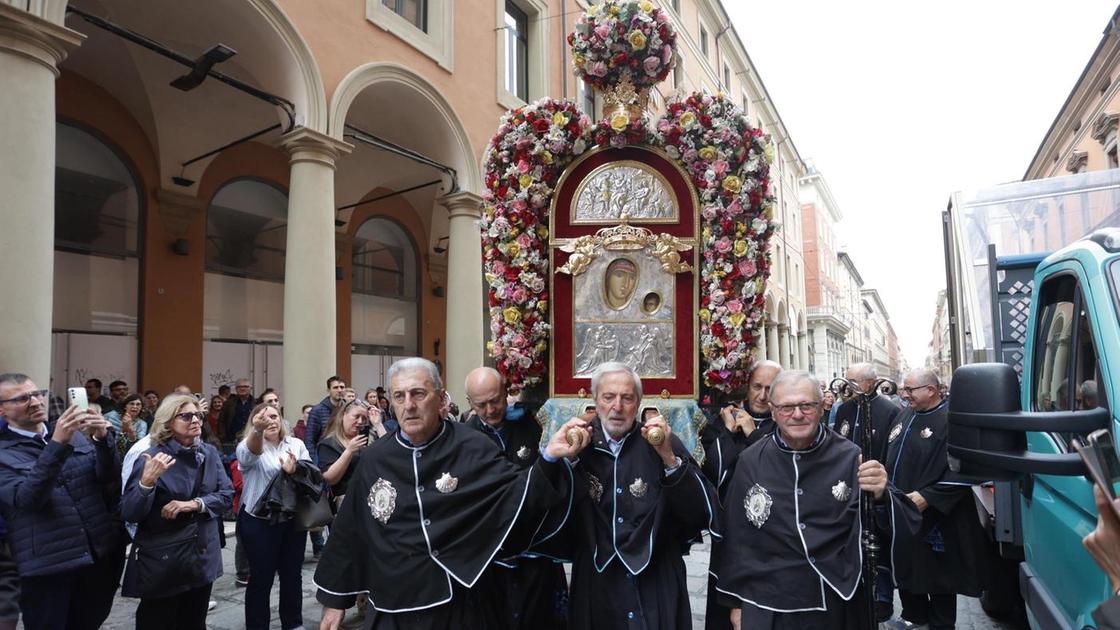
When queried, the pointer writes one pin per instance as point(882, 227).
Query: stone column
point(465, 321)
point(803, 350)
point(772, 343)
point(310, 324)
point(783, 346)
point(760, 342)
point(30, 50)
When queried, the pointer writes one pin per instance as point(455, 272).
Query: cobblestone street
point(229, 613)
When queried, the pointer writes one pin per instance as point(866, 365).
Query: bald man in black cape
point(724, 437)
point(429, 509)
point(792, 556)
point(948, 554)
point(528, 590)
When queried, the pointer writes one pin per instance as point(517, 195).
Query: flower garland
point(729, 163)
point(620, 36)
point(523, 164)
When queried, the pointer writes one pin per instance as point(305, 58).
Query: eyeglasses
point(188, 416)
point(24, 399)
point(805, 407)
point(909, 391)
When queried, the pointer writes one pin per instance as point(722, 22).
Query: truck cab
point(1008, 428)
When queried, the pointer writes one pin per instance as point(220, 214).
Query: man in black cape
point(429, 509)
point(792, 556)
point(848, 424)
point(946, 556)
point(527, 591)
point(637, 509)
point(724, 438)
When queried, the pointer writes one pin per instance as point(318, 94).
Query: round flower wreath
point(728, 162)
point(623, 36)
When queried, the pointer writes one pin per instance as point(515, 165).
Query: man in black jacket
point(526, 591)
point(62, 535)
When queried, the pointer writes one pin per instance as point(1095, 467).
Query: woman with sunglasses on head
point(179, 482)
point(352, 427)
point(265, 451)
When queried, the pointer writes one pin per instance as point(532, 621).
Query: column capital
point(306, 145)
point(462, 204)
point(35, 38)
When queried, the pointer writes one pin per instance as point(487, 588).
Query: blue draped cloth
point(682, 415)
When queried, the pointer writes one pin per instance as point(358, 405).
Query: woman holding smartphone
point(351, 428)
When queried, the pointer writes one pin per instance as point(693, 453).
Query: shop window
point(97, 236)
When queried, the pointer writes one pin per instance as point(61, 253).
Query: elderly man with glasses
point(947, 555)
point(64, 540)
point(792, 556)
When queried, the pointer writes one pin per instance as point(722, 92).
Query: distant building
point(939, 358)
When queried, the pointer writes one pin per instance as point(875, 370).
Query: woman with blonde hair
point(351, 428)
point(176, 494)
point(274, 546)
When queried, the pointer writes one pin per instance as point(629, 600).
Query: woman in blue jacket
point(160, 498)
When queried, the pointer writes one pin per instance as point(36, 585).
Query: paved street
point(229, 613)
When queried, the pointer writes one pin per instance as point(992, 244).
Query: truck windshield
point(1019, 218)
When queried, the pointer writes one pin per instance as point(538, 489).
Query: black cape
point(631, 524)
point(529, 590)
point(791, 556)
point(883, 415)
point(419, 525)
point(948, 554)
point(722, 448)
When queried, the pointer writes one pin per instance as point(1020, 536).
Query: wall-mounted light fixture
point(441, 250)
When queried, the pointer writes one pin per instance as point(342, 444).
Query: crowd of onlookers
point(155, 471)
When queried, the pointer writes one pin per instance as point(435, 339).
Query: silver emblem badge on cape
point(523, 452)
point(446, 483)
point(382, 500)
point(895, 431)
point(844, 428)
point(927, 433)
point(594, 488)
point(841, 491)
point(638, 488)
point(757, 504)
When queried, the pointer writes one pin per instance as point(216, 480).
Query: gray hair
point(612, 367)
point(416, 363)
point(788, 378)
point(863, 371)
point(14, 378)
point(489, 371)
point(927, 376)
point(761, 364)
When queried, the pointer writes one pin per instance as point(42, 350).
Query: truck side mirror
point(988, 431)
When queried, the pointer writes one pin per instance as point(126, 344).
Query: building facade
point(829, 321)
point(939, 358)
point(311, 211)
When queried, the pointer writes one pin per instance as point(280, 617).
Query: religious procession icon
point(757, 504)
point(627, 239)
point(382, 500)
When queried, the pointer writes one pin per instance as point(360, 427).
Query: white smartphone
point(77, 396)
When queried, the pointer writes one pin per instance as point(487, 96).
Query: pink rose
point(520, 294)
point(651, 65)
point(709, 213)
point(664, 125)
point(598, 69)
point(723, 245)
point(519, 341)
point(523, 166)
point(720, 167)
point(666, 53)
point(734, 208)
point(524, 241)
point(734, 306)
point(603, 31)
point(746, 267)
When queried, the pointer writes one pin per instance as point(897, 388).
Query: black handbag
point(313, 513)
point(164, 560)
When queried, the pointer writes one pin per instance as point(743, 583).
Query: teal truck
point(1035, 347)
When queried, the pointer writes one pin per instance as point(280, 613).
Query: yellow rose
point(490, 347)
point(513, 249)
point(511, 315)
point(541, 346)
point(614, 10)
point(646, 6)
point(542, 231)
point(546, 157)
point(768, 152)
point(707, 153)
point(512, 231)
point(732, 184)
point(637, 40)
point(525, 180)
point(542, 306)
point(705, 315)
point(737, 319)
point(560, 118)
point(740, 248)
point(490, 278)
point(619, 122)
point(687, 119)
point(594, 9)
point(706, 233)
point(579, 60)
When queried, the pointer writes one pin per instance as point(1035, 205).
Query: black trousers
point(185, 611)
point(939, 611)
point(273, 549)
point(78, 599)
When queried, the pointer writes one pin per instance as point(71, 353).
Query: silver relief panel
point(624, 188)
point(623, 309)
